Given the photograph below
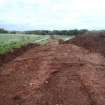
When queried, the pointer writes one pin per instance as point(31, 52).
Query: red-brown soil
point(15, 52)
point(54, 74)
point(95, 42)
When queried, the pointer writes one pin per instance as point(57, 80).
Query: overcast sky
point(52, 14)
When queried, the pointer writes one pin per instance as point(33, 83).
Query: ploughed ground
point(54, 74)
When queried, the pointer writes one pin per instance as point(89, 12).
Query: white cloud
point(53, 13)
point(2, 2)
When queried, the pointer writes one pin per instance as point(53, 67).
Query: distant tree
point(3, 31)
point(83, 31)
point(57, 32)
point(13, 32)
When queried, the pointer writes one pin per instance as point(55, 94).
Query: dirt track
point(54, 74)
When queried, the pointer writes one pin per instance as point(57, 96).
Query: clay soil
point(15, 52)
point(94, 42)
point(54, 74)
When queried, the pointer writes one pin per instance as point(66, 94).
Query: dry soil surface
point(54, 74)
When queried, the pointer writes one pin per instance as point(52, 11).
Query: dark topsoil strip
point(16, 52)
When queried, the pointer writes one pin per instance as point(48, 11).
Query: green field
point(10, 41)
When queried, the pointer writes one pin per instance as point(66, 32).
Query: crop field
point(10, 41)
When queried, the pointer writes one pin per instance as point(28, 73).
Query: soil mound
point(95, 42)
point(50, 74)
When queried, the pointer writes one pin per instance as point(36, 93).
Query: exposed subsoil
point(15, 52)
point(95, 42)
point(54, 74)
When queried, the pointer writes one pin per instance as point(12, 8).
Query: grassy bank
point(10, 41)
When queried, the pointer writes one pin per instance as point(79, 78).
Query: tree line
point(47, 32)
point(57, 32)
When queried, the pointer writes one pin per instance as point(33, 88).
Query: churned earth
point(54, 74)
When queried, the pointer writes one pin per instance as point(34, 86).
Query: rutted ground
point(54, 74)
